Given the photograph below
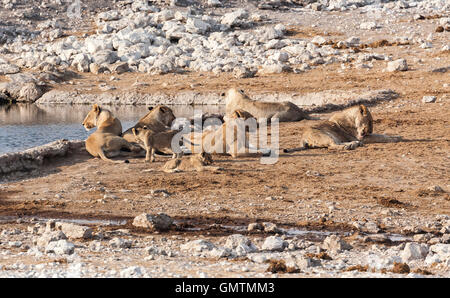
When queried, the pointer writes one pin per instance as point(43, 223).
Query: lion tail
point(103, 157)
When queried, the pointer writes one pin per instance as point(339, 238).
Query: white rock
point(428, 99)
point(234, 18)
point(74, 231)
point(120, 243)
point(441, 249)
point(335, 244)
point(81, 62)
point(240, 244)
point(133, 271)
point(197, 26)
point(319, 40)
point(274, 243)
point(397, 65)
point(198, 246)
point(214, 3)
point(7, 68)
point(368, 25)
point(47, 237)
point(60, 247)
point(158, 222)
point(414, 251)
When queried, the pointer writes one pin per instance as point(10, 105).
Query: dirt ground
point(391, 184)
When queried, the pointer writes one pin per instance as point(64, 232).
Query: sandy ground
point(390, 184)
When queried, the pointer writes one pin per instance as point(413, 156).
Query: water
point(26, 126)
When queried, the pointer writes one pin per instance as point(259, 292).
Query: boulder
point(397, 65)
point(159, 222)
point(274, 243)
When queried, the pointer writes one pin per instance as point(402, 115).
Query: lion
point(106, 141)
point(345, 130)
point(217, 142)
point(285, 111)
point(198, 162)
point(153, 140)
point(158, 119)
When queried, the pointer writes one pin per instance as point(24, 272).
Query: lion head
point(363, 122)
point(161, 113)
point(90, 121)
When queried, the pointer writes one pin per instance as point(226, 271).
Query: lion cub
point(161, 141)
point(198, 162)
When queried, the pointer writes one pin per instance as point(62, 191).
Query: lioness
point(284, 111)
point(152, 141)
point(344, 130)
point(198, 162)
point(158, 119)
point(106, 141)
point(217, 142)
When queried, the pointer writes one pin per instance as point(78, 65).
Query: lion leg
point(345, 146)
point(210, 168)
point(304, 146)
point(152, 155)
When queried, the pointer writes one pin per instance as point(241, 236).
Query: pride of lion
point(344, 130)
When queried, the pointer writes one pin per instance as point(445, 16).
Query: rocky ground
point(381, 210)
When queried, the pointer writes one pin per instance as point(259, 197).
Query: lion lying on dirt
point(106, 141)
point(218, 142)
point(153, 140)
point(284, 111)
point(158, 119)
point(345, 130)
point(198, 162)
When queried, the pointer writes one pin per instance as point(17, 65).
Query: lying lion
point(152, 141)
point(198, 162)
point(224, 140)
point(345, 130)
point(284, 111)
point(158, 119)
point(106, 141)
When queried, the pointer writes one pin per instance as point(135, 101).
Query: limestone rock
point(159, 222)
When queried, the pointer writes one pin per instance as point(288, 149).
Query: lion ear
point(363, 109)
point(96, 108)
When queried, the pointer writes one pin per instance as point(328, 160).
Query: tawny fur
point(284, 111)
point(345, 130)
point(106, 141)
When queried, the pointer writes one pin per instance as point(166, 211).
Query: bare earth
point(391, 185)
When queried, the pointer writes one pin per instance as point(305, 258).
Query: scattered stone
point(73, 231)
point(368, 25)
point(270, 227)
point(159, 222)
point(414, 251)
point(429, 99)
point(47, 237)
point(274, 243)
point(60, 247)
point(243, 72)
point(397, 65)
point(240, 245)
point(305, 262)
point(335, 244)
point(198, 246)
point(120, 243)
